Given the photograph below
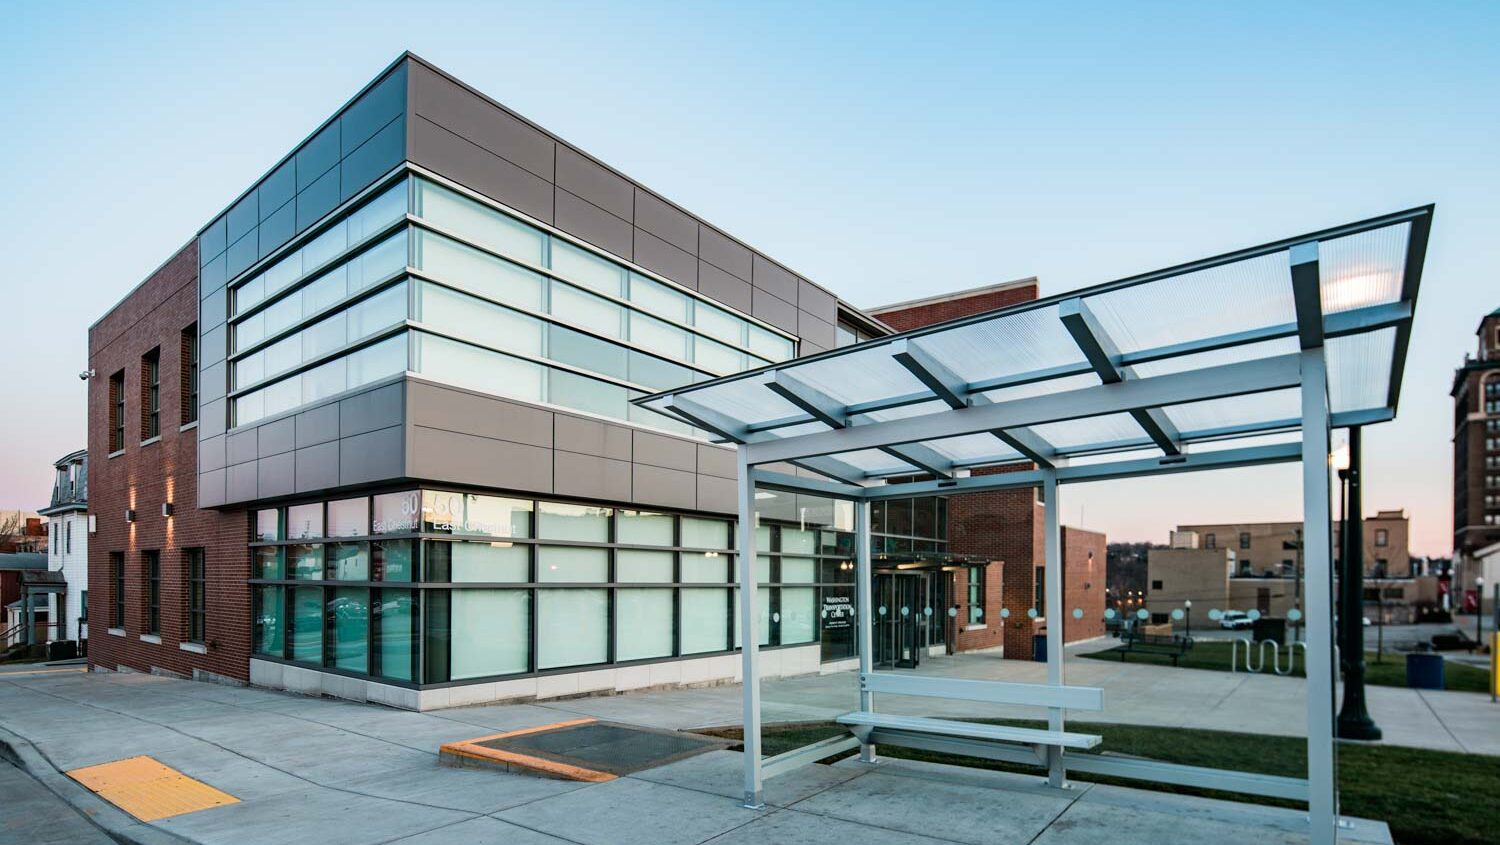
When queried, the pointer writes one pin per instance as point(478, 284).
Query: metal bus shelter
point(1241, 359)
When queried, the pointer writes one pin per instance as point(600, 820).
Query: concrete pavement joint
point(1428, 704)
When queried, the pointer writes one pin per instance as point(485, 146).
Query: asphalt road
point(32, 815)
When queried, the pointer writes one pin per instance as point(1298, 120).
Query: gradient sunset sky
point(888, 151)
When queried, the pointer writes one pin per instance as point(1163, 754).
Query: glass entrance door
point(900, 623)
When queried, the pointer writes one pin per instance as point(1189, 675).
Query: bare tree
point(12, 527)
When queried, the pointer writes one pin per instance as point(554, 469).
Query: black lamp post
point(1354, 719)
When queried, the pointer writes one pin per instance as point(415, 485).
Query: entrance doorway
point(907, 606)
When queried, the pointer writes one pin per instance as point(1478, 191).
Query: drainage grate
point(584, 749)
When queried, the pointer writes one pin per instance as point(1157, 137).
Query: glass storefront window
point(491, 632)
point(700, 533)
point(467, 513)
point(397, 634)
point(349, 610)
point(268, 525)
point(572, 564)
point(477, 223)
point(633, 565)
point(799, 618)
point(572, 627)
point(349, 517)
point(348, 562)
point(643, 528)
point(558, 521)
point(393, 560)
point(397, 513)
point(705, 619)
point(304, 521)
point(798, 570)
point(797, 540)
point(307, 624)
point(643, 623)
point(704, 567)
point(267, 562)
point(270, 622)
point(462, 562)
point(304, 562)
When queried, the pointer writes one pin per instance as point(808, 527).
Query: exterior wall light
point(166, 509)
point(130, 514)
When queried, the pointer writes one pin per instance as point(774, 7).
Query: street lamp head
point(1188, 604)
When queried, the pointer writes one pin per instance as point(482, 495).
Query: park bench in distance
point(1172, 646)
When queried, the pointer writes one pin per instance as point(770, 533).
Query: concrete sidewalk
point(330, 772)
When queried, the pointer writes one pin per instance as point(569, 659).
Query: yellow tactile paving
point(148, 789)
point(4, 675)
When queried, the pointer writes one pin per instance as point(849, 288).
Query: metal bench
point(1173, 646)
point(995, 742)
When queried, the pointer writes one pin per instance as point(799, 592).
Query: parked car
point(1234, 620)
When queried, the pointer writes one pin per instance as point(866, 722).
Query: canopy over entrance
point(1241, 359)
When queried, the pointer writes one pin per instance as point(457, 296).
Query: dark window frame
point(189, 374)
point(117, 412)
point(195, 577)
point(975, 593)
point(151, 595)
point(1244, 540)
point(117, 578)
point(151, 394)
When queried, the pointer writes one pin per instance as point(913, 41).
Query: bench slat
point(972, 730)
point(997, 692)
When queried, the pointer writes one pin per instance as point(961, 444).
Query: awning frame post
point(1322, 784)
point(749, 631)
point(1057, 774)
point(864, 615)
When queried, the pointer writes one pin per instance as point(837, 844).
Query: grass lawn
point(1390, 671)
point(1427, 797)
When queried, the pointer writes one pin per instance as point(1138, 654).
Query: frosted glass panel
point(476, 271)
point(643, 624)
point(705, 614)
point(572, 627)
point(490, 562)
point(572, 564)
point(698, 533)
point(581, 266)
point(704, 567)
point(557, 521)
point(479, 369)
point(641, 566)
point(475, 222)
point(799, 622)
point(644, 528)
point(491, 632)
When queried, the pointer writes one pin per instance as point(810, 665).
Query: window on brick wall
point(197, 595)
point(1382, 537)
point(117, 589)
point(189, 371)
point(151, 394)
point(1210, 541)
point(1039, 592)
point(151, 579)
point(976, 594)
point(1244, 539)
point(117, 411)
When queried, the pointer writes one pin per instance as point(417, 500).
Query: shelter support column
point(864, 613)
point(749, 633)
point(1316, 547)
point(1055, 614)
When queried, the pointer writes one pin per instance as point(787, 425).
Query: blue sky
point(886, 150)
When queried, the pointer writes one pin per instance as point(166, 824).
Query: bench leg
point(867, 753)
point(1056, 776)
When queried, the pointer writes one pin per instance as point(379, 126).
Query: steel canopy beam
point(949, 387)
point(1307, 294)
point(713, 421)
point(1102, 354)
point(1222, 459)
point(832, 413)
point(1209, 383)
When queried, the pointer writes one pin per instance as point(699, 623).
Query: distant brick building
point(1006, 525)
point(1476, 454)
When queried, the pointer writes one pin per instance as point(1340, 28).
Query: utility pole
point(1354, 720)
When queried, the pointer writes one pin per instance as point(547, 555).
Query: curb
point(116, 823)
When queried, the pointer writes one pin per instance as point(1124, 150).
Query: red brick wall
point(145, 477)
point(927, 314)
point(1083, 583)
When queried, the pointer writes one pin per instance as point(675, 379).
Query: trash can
point(1269, 628)
point(1424, 671)
point(1039, 648)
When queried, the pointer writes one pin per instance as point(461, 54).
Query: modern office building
point(1476, 455)
point(368, 433)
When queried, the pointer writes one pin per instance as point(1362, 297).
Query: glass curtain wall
point(434, 587)
point(493, 303)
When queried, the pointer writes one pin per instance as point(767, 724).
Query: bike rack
point(1260, 664)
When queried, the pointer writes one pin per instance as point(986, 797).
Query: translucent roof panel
point(1087, 431)
point(1007, 345)
point(1362, 269)
point(1233, 411)
point(1217, 340)
point(1245, 295)
point(1359, 370)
